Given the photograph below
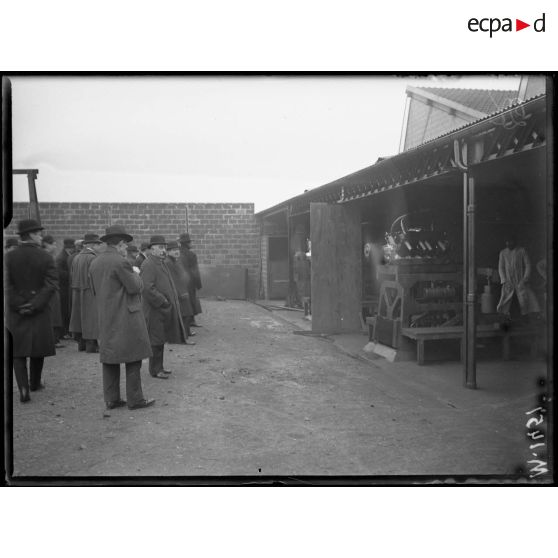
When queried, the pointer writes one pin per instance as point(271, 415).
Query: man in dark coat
point(160, 306)
point(131, 254)
point(49, 246)
point(78, 247)
point(123, 336)
point(11, 243)
point(181, 281)
point(31, 281)
point(190, 262)
point(143, 254)
point(83, 320)
point(64, 281)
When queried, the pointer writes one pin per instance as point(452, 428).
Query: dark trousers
point(35, 372)
point(91, 346)
point(156, 361)
point(80, 340)
point(111, 383)
point(187, 320)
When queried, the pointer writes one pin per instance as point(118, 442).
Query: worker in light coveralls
point(514, 268)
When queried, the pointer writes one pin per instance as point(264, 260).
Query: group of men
point(122, 305)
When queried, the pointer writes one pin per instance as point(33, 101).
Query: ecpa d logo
point(492, 25)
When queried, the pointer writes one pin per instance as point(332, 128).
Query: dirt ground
point(252, 398)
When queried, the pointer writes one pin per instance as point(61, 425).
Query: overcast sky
point(205, 139)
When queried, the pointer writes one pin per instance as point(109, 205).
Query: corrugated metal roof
point(482, 100)
point(470, 124)
point(385, 160)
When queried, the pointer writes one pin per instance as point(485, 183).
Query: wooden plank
point(336, 279)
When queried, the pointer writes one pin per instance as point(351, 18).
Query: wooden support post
point(33, 211)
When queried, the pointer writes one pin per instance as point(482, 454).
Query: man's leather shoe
point(142, 404)
point(166, 371)
point(39, 387)
point(116, 404)
point(160, 375)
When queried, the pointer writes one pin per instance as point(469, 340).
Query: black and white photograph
point(301, 278)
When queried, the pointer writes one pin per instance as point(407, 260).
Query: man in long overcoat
point(31, 281)
point(83, 320)
point(123, 336)
point(64, 282)
point(160, 306)
point(181, 281)
point(190, 262)
point(49, 246)
point(78, 247)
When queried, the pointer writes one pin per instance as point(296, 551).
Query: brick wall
point(223, 234)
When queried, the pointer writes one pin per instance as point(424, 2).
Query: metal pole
point(470, 269)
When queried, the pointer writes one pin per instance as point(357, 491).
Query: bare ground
point(253, 399)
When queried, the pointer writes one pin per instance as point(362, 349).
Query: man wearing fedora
point(160, 306)
point(83, 320)
point(190, 262)
point(123, 336)
point(31, 281)
point(64, 281)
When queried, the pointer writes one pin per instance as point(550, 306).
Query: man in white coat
point(514, 268)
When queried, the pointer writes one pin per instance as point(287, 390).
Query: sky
point(196, 139)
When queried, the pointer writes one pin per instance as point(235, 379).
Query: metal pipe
point(469, 268)
point(470, 367)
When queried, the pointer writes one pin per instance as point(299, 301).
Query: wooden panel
point(278, 279)
point(335, 233)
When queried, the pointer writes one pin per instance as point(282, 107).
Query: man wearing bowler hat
point(190, 262)
point(31, 281)
point(83, 320)
point(160, 306)
point(123, 337)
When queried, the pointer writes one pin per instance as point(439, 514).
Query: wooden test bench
point(422, 334)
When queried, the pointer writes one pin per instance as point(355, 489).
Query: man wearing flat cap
point(190, 262)
point(64, 281)
point(123, 337)
point(31, 281)
point(160, 306)
point(83, 320)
